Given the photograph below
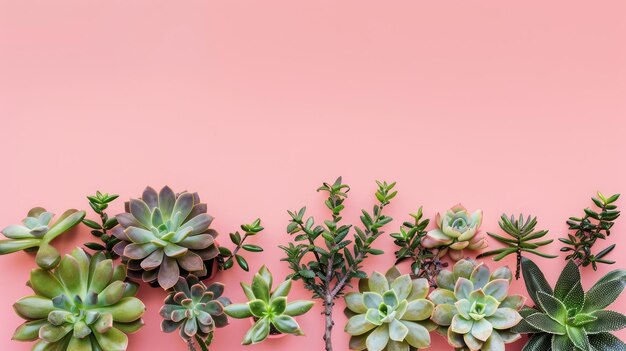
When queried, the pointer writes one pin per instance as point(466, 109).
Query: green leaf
point(543, 322)
point(534, 279)
point(252, 248)
point(298, 308)
point(567, 280)
point(242, 262)
point(95, 246)
point(606, 341)
point(602, 295)
point(287, 325)
point(91, 224)
point(578, 336)
point(258, 307)
point(606, 321)
point(238, 310)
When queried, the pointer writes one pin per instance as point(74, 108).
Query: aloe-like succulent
point(269, 308)
point(36, 232)
point(389, 313)
point(456, 230)
point(567, 317)
point(195, 309)
point(473, 308)
point(82, 305)
point(166, 235)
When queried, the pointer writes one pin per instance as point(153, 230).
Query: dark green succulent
point(36, 232)
point(566, 318)
point(166, 235)
point(82, 305)
point(195, 309)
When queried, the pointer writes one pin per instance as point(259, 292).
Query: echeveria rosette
point(82, 305)
point(166, 235)
point(270, 310)
point(567, 317)
point(195, 309)
point(390, 313)
point(473, 308)
point(456, 230)
point(36, 232)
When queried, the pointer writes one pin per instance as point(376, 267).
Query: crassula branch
point(334, 260)
point(99, 203)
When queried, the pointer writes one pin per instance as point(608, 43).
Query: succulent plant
point(269, 309)
point(568, 318)
point(166, 235)
point(389, 313)
point(456, 230)
point(82, 305)
point(195, 309)
point(36, 232)
point(99, 203)
point(473, 308)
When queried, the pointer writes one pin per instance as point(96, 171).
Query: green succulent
point(82, 305)
point(389, 313)
point(166, 235)
point(473, 308)
point(456, 230)
point(195, 309)
point(568, 318)
point(36, 232)
point(269, 308)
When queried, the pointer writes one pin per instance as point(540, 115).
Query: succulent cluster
point(456, 231)
point(166, 235)
point(473, 308)
point(271, 311)
point(36, 232)
point(195, 309)
point(84, 304)
point(389, 313)
point(567, 317)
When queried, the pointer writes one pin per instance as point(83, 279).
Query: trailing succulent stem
point(588, 229)
point(425, 263)
point(522, 233)
point(227, 258)
point(335, 262)
point(99, 203)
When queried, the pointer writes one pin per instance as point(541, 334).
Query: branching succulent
point(588, 229)
point(84, 304)
point(425, 263)
point(456, 231)
point(473, 308)
point(269, 308)
point(389, 313)
point(523, 235)
point(227, 257)
point(166, 235)
point(99, 203)
point(36, 232)
point(323, 258)
point(567, 317)
point(194, 309)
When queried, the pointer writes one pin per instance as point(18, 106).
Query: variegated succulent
point(456, 230)
point(195, 309)
point(83, 305)
point(389, 313)
point(36, 232)
point(568, 318)
point(166, 235)
point(473, 308)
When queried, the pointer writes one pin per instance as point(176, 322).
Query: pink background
point(504, 107)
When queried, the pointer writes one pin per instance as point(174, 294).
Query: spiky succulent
point(567, 318)
point(269, 308)
point(83, 305)
point(36, 232)
point(456, 230)
point(389, 313)
point(195, 309)
point(473, 308)
point(166, 235)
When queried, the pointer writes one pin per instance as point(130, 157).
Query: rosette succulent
point(567, 317)
point(473, 308)
point(166, 235)
point(456, 230)
point(389, 313)
point(36, 232)
point(195, 309)
point(269, 309)
point(83, 305)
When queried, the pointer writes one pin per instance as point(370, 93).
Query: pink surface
point(504, 107)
